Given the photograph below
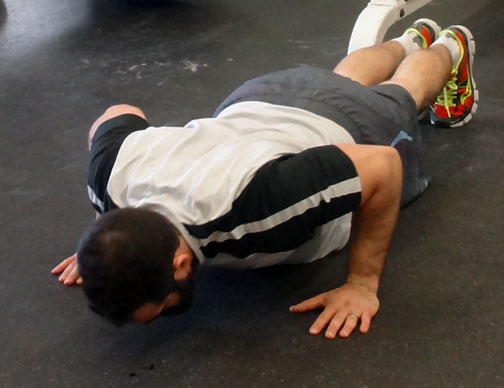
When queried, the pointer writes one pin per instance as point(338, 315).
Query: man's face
point(176, 302)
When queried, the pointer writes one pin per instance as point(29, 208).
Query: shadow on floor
point(3, 13)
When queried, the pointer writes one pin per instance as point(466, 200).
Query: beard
point(184, 288)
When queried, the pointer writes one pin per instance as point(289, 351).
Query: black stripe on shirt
point(288, 235)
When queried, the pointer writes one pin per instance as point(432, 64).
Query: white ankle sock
point(410, 41)
point(452, 44)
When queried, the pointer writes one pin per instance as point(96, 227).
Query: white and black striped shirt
point(260, 184)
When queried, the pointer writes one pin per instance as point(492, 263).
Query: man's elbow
point(389, 175)
point(112, 112)
point(393, 162)
point(379, 169)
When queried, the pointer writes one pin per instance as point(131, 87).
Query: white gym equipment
point(374, 21)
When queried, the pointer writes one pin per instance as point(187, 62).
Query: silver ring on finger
point(352, 315)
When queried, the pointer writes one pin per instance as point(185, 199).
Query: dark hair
point(125, 259)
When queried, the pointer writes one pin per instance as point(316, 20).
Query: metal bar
point(374, 21)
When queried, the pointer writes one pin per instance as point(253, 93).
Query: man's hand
point(69, 271)
point(343, 307)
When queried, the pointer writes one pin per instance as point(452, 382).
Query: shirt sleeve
point(284, 204)
point(105, 146)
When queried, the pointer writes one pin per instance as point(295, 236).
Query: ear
point(181, 266)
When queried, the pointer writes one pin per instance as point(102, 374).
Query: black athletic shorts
point(380, 115)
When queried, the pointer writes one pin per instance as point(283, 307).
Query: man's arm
point(68, 269)
point(112, 112)
point(380, 171)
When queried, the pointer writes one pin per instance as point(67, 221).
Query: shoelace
point(449, 94)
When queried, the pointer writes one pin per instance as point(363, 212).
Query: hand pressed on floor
point(69, 271)
point(343, 307)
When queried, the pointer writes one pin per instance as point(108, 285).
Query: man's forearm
point(374, 222)
point(370, 247)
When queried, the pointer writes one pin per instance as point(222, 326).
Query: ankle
point(410, 42)
point(451, 44)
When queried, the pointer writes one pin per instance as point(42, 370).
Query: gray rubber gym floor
point(63, 62)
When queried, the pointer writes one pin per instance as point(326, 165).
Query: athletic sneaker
point(427, 31)
point(456, 104)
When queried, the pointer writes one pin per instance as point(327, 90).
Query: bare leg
point(372, 65)
point(424, 73)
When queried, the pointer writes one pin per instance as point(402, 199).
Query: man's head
point(134, 265)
